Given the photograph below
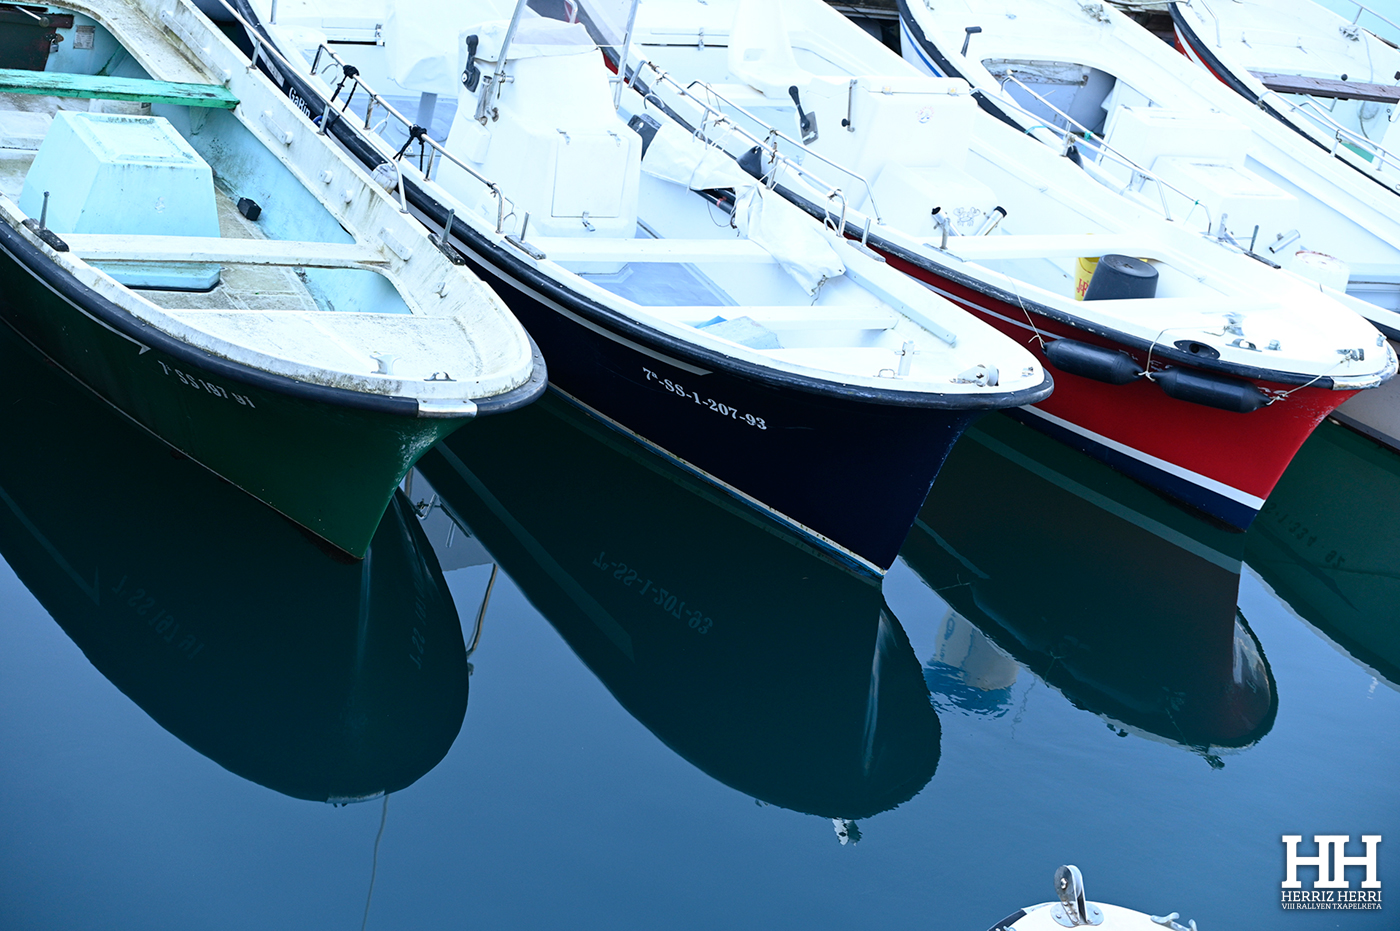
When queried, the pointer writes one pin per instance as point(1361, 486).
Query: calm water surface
point(673, 716)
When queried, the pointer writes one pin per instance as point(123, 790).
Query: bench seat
point(101, 87)
point(101, 247)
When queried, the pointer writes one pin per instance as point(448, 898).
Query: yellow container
point(1083, 271)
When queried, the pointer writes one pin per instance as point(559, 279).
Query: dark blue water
point(1099, 679)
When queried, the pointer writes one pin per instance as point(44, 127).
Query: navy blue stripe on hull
point(1231, 512)
point(854, 473)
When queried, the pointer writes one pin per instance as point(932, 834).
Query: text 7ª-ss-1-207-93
point(724, 410)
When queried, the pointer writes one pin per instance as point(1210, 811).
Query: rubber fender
point(1100, 364)
point(1218, 391)
point(752, 161)
point(1119, 277)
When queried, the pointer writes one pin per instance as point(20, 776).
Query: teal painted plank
point(106, 88)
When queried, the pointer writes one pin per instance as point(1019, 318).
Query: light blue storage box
point(130, 176)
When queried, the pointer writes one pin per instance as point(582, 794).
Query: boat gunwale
point(107, 313)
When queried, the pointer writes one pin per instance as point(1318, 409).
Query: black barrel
point(1227, 394)
point(1096, 362)
point(1118, 277)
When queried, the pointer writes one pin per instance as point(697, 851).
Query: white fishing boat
point(1145, 122)
point(1176, 370)
point(1073, 910)
point(1332, 81)
point(181, 238)
point(1063, 70)
point(678, 299)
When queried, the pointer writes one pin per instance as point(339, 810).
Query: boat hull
point(319, 677)
point(327, 458)
point(848, 467)
point(850, 472)
point(1219, 462)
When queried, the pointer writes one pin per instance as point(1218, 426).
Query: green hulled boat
point(177, 235)
point(320, 677)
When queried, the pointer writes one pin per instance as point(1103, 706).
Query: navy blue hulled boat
point(675, 297)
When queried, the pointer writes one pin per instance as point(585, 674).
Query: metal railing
point(1341, 135)
point(435, 151)
point(775, 158)
point(718, 118)
point(774, 132)
point(1363, 8)
point(1102, 147)
point(329, 114)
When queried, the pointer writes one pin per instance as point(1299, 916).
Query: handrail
point(1104, 148)
point(1324, 118)
point(1363, 8)
point(424, 140)
point(774, 156)
point(1216, 19)
point(774, 131)
point(263, 47)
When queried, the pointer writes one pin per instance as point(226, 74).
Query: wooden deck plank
point(57, 84)
point(1327, 87)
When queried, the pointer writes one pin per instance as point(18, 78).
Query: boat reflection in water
point(1120, 600)
point(758, 660)
point(1342, 575)
point(317, 676)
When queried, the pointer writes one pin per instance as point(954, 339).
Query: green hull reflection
point(764, 664)
point(248, 639)
point(332, 469)
point(1122, 601)
point(1341, 573)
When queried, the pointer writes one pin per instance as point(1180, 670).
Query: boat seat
point(568, 249)
point(101, 247)
point(103, 87)
point(760, 54)
point(788, 317)
point(419, 345)
point(906, 196)
point(1041, 246)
